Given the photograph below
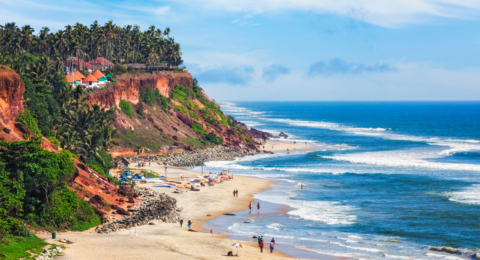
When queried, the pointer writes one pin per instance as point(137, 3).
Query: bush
point(198, 128)
point(26, 119)
point(44, 178)
point(54, 141)
point(139, 111)
point(126, 107)
point(180, 109)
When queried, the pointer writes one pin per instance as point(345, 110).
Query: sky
point(302, 50)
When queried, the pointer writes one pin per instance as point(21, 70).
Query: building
point(75, 78)
point(90, 82)
point(101, 63)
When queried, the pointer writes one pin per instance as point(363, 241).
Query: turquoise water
point(390, 180)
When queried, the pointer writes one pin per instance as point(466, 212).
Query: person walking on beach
point(233, 193)
point(189, 223)
point(302, 186)
point(261, 246)
point(237, 193)
point(258, 207)
point(259, 240)
point(272, 245)
point(250, 207)
point(181, 222)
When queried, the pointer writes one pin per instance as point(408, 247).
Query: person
point(181, 222)
point(261, 246)
point(258, 207)
point(189, 223)
point(305, 143)
point(250, 207)
point(272, 245)
point(302, 186)
point(259, 240)
point(233, 193)
point(236, 193)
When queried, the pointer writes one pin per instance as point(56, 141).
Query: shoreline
point(168, 239)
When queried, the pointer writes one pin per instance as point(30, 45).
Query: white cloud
point(387, 13)
point(413, 81)
point(162, 10)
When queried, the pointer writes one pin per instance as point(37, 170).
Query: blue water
point(390, 179)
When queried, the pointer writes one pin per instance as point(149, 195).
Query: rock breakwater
point(187, 158)
point(153, 206)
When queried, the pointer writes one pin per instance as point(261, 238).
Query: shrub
point(126, 107)
point(198, 128)
point(180, 109)
point(139, 111)
point(54, 141)
point(26, 119)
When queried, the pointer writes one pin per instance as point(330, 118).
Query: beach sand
point(168, 240)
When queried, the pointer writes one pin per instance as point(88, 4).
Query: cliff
point(129, 85)
point(157, 130)
point(12, 89)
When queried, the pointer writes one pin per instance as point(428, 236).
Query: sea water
point(388, 181)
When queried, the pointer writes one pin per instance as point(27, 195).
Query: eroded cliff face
point(128, 87)
point(12, 89)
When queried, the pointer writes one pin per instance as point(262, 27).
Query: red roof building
point(101, 61)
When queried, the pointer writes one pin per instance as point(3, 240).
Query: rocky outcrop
point(454, 251)
point(153, 206)
point(260, 134)
point(187, 158)
point(12, 89)
point(128, 87)
point(48, 254)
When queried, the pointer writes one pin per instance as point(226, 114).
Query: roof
point(78, 74)
point(108, 75)
point(102, 79)
point(75, 78)
point(102, 61)
point(90, 78)
point(74, 64)
point(97, 74)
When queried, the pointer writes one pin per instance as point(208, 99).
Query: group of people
point(189, 223)
point(235, 193)
point(192, 166)
point(261, 244)
point(143, 163)
point(250, 207)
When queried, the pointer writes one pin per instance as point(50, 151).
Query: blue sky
point(303, 49)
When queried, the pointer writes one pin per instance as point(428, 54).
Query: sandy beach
point(169, 241)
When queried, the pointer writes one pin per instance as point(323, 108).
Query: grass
point(85, 225)
point(143, 138)
point(16, 247)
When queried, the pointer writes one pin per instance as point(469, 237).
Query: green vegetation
point(15, 247)
point(151, 97)
point(126, 107)
point(42, 104)
point(100, 170)
point(26, 119)
point(140, 111)
point(54, 141)
point(28, 169)
point(210, 138)
point(118, 44)
point(180, 109)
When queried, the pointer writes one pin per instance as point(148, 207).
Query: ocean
point(389, 179)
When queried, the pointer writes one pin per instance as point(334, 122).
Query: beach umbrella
point(238, 245)
point(181, 175)
point(180, 186)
